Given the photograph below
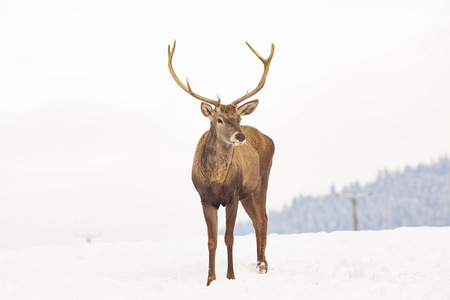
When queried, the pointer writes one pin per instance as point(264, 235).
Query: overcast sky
point(97, 137)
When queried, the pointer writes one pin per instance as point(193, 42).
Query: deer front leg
point(210, 213)
point(231, 212)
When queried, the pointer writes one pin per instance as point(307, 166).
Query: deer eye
point(219, 121)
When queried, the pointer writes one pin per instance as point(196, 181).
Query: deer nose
point(240, 137)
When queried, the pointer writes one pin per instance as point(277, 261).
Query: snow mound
point(406, 263)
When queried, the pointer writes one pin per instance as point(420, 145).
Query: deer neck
point(218, 158)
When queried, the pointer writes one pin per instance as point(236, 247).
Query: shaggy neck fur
point(217, 158)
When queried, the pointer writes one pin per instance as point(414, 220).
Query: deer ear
point(247, 108)
point(207, 110)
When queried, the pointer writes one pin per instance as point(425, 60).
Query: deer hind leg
point(257, 213)
point(231, 212)
point(210, 213)
point(262, 262)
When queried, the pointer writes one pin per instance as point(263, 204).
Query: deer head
point(225, 119)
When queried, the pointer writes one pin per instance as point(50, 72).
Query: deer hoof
point(211, 278)
point(261, 268)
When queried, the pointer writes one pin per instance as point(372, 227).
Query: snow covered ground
point(405, 263)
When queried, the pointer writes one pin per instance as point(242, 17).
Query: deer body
point(231, 164)
point(223, 175)
point(222, 171)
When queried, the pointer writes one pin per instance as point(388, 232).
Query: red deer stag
point(232, 163)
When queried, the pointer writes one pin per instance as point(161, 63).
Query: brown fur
point(224, 174)
point(228, 108)
point(232, 163)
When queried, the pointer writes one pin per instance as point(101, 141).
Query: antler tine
point(187, 88)
point(261, 83)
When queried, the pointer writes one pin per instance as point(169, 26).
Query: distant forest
point(413, 197)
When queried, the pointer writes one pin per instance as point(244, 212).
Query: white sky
point(96, 136)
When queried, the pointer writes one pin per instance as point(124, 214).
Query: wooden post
point(355, 214)
point(353, 197)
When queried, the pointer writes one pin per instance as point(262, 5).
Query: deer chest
point(218, 183)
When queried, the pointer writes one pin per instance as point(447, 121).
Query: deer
point(232, 164)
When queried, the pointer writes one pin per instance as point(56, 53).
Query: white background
point(96, 137)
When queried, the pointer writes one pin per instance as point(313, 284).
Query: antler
point(184, 87)
point(261, 83)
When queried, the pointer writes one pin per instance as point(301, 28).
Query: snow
point(405, 263)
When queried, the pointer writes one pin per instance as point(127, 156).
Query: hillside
point(413, 197)
point(405, 263)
